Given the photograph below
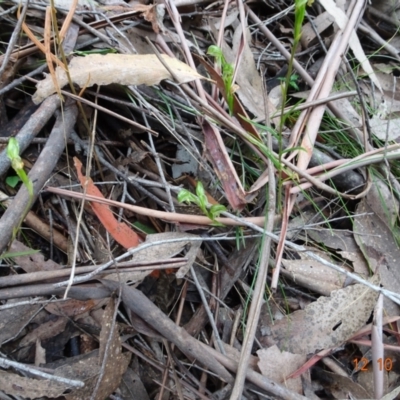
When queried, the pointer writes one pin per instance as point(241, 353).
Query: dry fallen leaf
point(310, 32)
point(12, 320)
point(161, 251)
point(327, 322)
point(379, 247)
point(45, 331)
point(355, 45)
point(71, 307)
point(120, 231)
point(123, 69)
point(344, 243)
point(40, 353)
point(22, 387)
point(342, 386)
point(90, 369)
point(313, 275)
point(111, 358)
point(278, 365)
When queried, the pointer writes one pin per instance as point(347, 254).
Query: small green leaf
point(184, 196)
point(18, 254)
point(13, 149)
point(13, 181)
point(144, 228)
point(200, 191)
point(216, 52)
point(217, 209)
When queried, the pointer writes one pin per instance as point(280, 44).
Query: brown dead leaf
point(12, 320)
point(95, 69)
point(33, 262)
point(278, 365)
point(113, 363)
point(45, 331)
point(107, 364)
point(383, 202)
point(40, 353)
point(120, 231)
point(379, 247)
point(309, 31)
point(150, 14)
point(313, 275)
point(344, 244)
point(71, 307)
point(160, 251)
point(342, 386)
point(132, 386)
point(327, 322)
point(16, 385)
point(223, 167)
point(85, 368)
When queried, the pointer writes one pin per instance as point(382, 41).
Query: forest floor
point(199, 200)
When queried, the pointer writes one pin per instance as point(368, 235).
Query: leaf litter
point(161, 292)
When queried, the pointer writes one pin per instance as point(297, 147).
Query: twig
point(4, 363)
point(259, 288)
point(208, 311)
point(12, 41)
point(378, 361)
point(39, 174)
point(32, 127)
point(145, 309)
point(167, 216)
point(38, 276)
point(368, 30)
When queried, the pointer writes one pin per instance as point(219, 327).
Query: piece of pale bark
point(123, 69)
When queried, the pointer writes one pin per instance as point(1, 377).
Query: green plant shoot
point(227, 74)
point(299, 14)
point(200, 199)
point(18, 165)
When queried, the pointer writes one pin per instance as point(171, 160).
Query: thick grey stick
point(29, 131)
point(145, 309)
point(39, 174)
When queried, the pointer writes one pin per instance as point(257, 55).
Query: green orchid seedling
point(200, 199)
point(227, 74)
point(18, 166)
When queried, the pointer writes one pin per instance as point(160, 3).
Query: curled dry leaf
point(120, 231)
point(96, 69)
